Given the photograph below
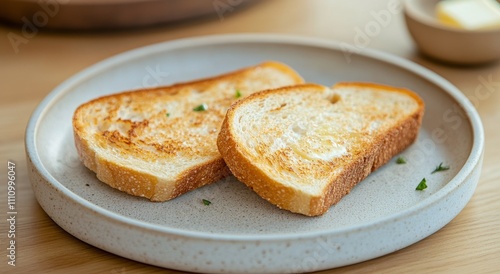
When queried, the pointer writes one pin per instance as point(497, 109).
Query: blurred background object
point(110, 14)
point(446, 43)
point(469, 14)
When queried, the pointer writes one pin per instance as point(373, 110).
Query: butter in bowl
point(465, 32)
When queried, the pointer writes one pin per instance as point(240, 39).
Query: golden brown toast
point(160, 143)
point(304, 147)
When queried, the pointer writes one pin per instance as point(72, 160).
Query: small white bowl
point(448, 44)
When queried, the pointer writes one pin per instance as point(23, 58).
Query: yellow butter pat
point(469, 14)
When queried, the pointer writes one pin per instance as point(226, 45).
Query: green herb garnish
point(237, 94)
point(168, 114)
point(440, 168)
point(206, 202)
point(422, 185)
point(400, 160)
point(201, 107)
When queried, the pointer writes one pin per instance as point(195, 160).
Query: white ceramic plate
point(239, 231)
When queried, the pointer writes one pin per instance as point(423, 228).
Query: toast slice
point(160, 143)
point(304, 147)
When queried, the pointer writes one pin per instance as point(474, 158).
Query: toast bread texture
point(305, 147)
point(160, 143)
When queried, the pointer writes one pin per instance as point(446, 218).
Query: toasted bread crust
point(147, 184)
point(142, 184)
point(384, 147)
point(245, 171)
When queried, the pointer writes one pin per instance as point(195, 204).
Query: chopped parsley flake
point(168, 114)
point(237, 94)
point(422, 185)
point(400, 160)
point(206, 202)
point(201, 107)
point(440, 168)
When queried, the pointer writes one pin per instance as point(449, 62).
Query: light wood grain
point(468, 244)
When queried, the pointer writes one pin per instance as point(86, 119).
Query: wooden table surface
point(468, 244)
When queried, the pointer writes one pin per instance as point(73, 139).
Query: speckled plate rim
point(473, 162)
